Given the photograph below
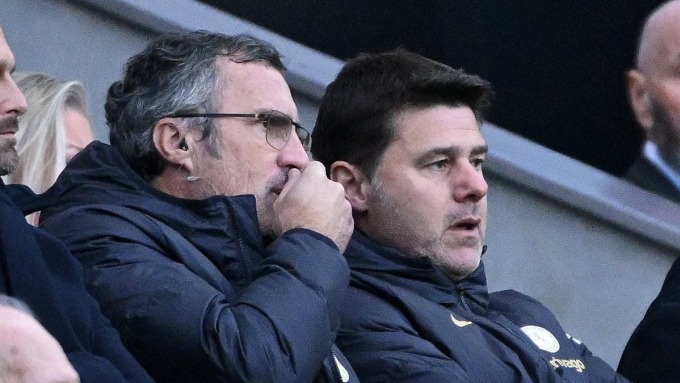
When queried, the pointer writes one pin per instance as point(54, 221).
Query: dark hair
point(176, 72)
point(355, 117)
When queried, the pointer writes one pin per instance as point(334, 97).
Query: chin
point(467, 254)
point(458, 272)
point(460, 263)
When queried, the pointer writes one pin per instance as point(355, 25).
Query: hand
point(28, 353)
point(310, 200)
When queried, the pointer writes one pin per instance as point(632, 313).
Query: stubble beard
point(667, 134)
point(9, 159)
point(437, 249)
point(265, 214)
point(264, 202)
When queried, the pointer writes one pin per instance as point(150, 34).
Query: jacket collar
point(101, 167)
point(100, 176)
point(419, 275)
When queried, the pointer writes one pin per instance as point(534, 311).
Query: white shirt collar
point(651, 152)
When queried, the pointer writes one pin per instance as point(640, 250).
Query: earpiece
point(183, 145)
point(192, 178)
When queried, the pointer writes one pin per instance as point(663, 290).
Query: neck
point(175, 185)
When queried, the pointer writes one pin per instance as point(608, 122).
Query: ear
point(638, 95)
point(173, 143)
point(354, 181)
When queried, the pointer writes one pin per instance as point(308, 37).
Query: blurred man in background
point(654, 94)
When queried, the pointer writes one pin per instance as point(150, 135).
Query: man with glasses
point(210, 239)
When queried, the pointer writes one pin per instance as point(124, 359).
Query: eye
point(478, 162)
point(277, 121)
point(438, 165)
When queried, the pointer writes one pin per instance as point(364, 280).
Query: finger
point(315, 168)
point(310, 177)
point(293, 176)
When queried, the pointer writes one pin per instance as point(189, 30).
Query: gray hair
point(176, 73)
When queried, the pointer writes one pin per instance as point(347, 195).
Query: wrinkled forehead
point(453, 116)
point(254, 87)
point(440, 125)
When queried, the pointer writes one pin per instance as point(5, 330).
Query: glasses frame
point(302, 134)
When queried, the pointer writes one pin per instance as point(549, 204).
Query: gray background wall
point(71, 42)
point(592, 248)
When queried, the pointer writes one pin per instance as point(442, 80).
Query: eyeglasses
point(277, 124)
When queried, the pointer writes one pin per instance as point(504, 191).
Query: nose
point(12, 101)
point(468, 183)
point(293, 154)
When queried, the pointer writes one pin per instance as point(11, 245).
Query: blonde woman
point(54, 128)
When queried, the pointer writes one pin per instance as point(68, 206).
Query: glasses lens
point(305, 137)
point(278, 129)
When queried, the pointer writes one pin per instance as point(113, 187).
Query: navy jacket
point(406, 321)
point(196, 293)
point(38, 269)
point(653, 351)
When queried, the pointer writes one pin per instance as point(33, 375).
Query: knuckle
point(317, 167)
point(337, 186)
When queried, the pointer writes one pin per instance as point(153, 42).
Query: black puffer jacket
point(192, 287)
point(653, 351)
point(406, 321)
point(37, 268)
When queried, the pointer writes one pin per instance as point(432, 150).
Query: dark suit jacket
point(653, 351)
point(38, 269)
point(645, 175)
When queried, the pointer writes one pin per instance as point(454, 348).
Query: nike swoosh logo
point(460, 323)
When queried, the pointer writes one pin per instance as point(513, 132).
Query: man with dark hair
point(654, 95)
point(208, 236)
point(51, 329)
point(402, 134)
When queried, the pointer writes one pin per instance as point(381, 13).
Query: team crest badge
point(543, 338)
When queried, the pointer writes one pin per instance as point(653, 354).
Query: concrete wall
point(74, 40)
point(591, 247)
point(70, 41)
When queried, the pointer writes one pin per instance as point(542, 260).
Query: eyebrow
point(451, 151)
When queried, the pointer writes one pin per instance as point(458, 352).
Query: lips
point(467, 223)
point(8, 131)
point(9, 126)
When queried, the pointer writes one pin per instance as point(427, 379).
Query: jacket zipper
point(242, 252)
point(461, 294)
